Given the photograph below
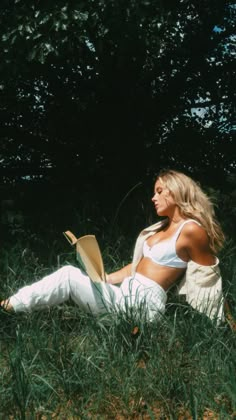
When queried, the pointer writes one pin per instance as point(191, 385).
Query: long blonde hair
point(194, 203)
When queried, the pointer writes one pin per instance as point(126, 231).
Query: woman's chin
point(161, 213)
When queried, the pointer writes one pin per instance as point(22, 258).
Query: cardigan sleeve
point(202, 286)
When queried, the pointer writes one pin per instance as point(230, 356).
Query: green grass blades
point(63, 363)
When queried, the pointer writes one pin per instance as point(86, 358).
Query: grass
point(62, 363)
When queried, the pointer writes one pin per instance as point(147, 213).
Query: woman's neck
point(175, 219)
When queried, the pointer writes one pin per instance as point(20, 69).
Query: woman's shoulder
point(196, 242)
point(193, 228)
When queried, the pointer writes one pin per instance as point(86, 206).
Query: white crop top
point(164, 252)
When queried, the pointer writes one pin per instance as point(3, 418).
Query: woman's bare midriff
point(164, 276)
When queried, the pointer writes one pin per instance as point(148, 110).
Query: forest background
point(98, 96)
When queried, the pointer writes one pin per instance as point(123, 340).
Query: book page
point(88, 251)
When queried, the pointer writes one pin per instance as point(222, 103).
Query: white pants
point(70, 282)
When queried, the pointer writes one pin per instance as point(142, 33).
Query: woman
point(184, 243)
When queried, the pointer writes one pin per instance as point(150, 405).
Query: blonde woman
point(180, 249)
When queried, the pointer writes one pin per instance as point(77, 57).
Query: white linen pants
point(97, 298)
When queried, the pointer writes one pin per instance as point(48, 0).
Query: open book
point(88, 255)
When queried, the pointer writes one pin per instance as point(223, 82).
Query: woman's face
point(163, 200)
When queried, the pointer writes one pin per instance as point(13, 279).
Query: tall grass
point(63, 363)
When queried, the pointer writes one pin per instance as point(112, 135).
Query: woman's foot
point(6, 306)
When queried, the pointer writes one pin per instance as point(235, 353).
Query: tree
point(103, 90)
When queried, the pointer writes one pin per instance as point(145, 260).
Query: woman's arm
point(119, 275)
point(197, 245)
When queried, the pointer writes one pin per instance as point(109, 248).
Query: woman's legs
point(67, 282)
point(144, 295)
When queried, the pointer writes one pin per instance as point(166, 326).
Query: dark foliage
point(97, 96)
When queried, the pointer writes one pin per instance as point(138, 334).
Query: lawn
point(62, 363)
